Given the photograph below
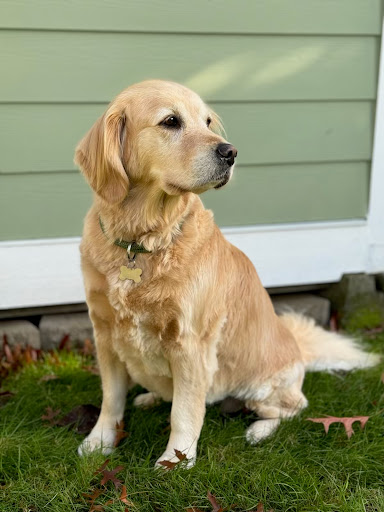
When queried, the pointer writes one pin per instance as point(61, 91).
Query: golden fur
point(199, 326)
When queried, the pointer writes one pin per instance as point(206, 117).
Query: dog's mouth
point(223, 178)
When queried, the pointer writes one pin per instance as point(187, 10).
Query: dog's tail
point(324, 350)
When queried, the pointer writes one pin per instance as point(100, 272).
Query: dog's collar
point(132, 246)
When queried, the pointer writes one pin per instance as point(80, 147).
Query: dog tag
point(130, 273)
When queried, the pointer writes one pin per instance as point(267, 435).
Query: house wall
point(294, 82)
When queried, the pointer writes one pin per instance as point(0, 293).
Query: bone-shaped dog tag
point(130, 273)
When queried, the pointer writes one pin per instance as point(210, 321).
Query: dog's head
point(155, 132)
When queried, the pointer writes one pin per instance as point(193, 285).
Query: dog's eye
point(209, 121)
point(171, 121)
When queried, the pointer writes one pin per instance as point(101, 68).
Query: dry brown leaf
point(171, 465)
point(123, 496)
point(92, 497)
point(347, 422)
point(51, 415)
point(120, 433)
point(213, 501)
point(110, 476)
point(102, 467)
point(65, 343)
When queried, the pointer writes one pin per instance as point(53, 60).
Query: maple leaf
point(120, 433)
point(347, 422)
point(110, 476)
point(171, 465)
point(51, 415)
point(102, 467)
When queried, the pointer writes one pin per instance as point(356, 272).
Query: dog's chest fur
point(134, 339)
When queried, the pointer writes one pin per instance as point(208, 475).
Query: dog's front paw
point(172, 459)
point(102, 440)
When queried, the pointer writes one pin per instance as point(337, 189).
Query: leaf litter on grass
point(347, 422)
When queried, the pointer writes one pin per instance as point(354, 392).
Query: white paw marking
point(102, 440)
point(261, 429)
point(145, 400)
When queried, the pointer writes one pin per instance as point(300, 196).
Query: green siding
point(94, 67)
point(294, 82)
point(213, 16)
point(262, 132)
point(257, 194)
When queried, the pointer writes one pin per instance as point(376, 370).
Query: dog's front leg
point(190, 380)
point(115, 384)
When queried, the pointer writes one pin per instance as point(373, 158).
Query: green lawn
point(298, 469)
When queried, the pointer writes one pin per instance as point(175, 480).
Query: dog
point(174, 306)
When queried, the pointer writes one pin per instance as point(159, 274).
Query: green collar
point(132, 246)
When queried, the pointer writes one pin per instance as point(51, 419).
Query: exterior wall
point(294, 82)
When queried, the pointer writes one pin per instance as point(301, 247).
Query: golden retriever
point(187, 319)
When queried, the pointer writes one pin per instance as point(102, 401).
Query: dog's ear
point(99, 156)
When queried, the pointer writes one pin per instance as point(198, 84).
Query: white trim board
point(47, 271)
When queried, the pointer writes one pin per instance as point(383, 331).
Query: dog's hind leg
point(282, 403)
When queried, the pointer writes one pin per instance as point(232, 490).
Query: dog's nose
point(228, 152)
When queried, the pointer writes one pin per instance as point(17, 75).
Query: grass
point(298, 469)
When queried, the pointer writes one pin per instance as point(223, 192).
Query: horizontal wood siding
point(199, 16)
point(294, 82)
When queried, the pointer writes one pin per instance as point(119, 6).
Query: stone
point(352, 288)
point(53, 328)
point(357, 302)
point(314, 306)
point(20, 332)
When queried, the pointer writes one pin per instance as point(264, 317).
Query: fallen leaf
point(213, 501)
point(180, 455)
point(123, 496)
point(82, 418)
point(65, 343)
point(171, 465)
point(168, 464)
point(92, 497)
point(110, 476)
point(51, 415)
point(120, 433)
point(96, 508)
point(347, 422)
point(47, 378)
point(102, 467)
